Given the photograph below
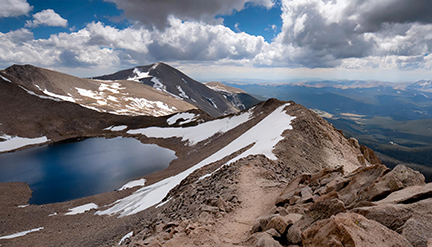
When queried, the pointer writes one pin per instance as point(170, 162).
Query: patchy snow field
point(116, 128)
point(186, 116)
point(81, 209)
point(263, 138)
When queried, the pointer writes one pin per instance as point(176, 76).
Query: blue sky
point(268, 40)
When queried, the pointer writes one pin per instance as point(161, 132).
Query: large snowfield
point(198, 133)
point(263, 138)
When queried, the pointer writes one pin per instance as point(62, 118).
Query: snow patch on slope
point(62, 97)
point(116, 128)
point(157, 108)
point(20, 234)
point(11, 143)
point(134, 183)
point(81, 209)
point(219, 89)
point(125, 237)
point(158, 84)
point(4, 78)
point(265, 135)
point(211, 100)
point(198, 133)
point(139, 75)
point(182, 93)
point(40, 96)
point(186, 116)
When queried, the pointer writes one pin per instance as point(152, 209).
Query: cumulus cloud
point(325, 33)
point(156, 13)
point(11, 8)
point(98, 45)
point(47, 17)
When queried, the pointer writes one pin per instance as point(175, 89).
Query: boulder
point(409, 195)
point(273, 233)
point(292, 218)
point(290, 189)
point(306, 194)
point(418, 229)
point(400, 177)
point(267, 242)
point(354, 142)
point(359, 181)
point(325, 209)
point(262, 239)
point(351, 229)
point(294, 232)
point(392, 216)
point(278, 223)
point(265, 219)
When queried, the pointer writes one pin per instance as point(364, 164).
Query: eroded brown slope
point(120, 97)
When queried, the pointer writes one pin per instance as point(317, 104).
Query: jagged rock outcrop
point(372, 206)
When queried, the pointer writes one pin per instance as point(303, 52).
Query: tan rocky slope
point(170, 80)
point(240, 168)
point(123, 97)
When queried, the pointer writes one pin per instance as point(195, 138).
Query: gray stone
point(418, 230)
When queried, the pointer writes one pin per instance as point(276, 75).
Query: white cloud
point(47, 17)
point(99, 45)
point(11, 8)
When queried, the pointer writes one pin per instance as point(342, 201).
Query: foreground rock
point(351, 229)
point(371, 206)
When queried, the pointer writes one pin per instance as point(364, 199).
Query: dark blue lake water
point(67, 171)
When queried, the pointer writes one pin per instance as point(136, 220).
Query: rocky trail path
point(257, 195)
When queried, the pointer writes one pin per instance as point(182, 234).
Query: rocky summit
point(275, 174)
